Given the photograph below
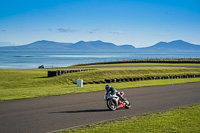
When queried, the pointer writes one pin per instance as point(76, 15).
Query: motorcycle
point(114, 102)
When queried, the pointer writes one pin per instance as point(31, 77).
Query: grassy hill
point(29, 83)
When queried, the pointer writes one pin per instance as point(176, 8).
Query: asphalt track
point(66, 111)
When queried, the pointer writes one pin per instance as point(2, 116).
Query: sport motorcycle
point(115, 102)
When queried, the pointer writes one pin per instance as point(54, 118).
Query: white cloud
point(92, 31)
point(66, 30)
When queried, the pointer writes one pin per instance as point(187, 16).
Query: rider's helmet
point(107, 87)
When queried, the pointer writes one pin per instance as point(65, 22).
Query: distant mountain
point(99, 45)
point(174, 45)
point(93, 45)
point(177, 45)
point(89, 46)
point(127, 46)
point(40, 45)
point(47, 45)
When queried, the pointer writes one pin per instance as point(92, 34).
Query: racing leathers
point(113, 91)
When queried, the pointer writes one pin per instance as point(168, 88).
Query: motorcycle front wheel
point(128, 104)
point(111, 105)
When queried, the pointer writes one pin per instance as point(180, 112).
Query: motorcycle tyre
point(108, 104)
point(128, 106)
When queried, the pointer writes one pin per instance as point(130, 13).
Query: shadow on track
point(83, 111)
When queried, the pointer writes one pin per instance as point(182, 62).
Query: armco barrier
point(131, 79)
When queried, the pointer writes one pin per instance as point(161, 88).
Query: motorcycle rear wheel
point(111, 105)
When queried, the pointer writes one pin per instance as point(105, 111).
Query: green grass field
point(181, 120)
point(30, 83)
point(143, 64)
point(108, 73)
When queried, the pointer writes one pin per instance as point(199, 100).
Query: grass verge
point(142, 64)
point(51, 90)
point(31, 83)
point(180, 120)
point(102, 74)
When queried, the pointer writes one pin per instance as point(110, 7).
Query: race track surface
point(66, 111)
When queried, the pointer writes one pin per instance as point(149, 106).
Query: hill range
point(44, 45)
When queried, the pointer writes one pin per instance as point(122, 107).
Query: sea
point(53, 59)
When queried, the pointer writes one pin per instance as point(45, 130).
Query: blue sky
point(137, 22)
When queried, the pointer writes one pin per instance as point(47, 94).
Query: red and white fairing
point(114, 102)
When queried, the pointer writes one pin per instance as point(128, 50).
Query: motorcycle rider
point(113, 91)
